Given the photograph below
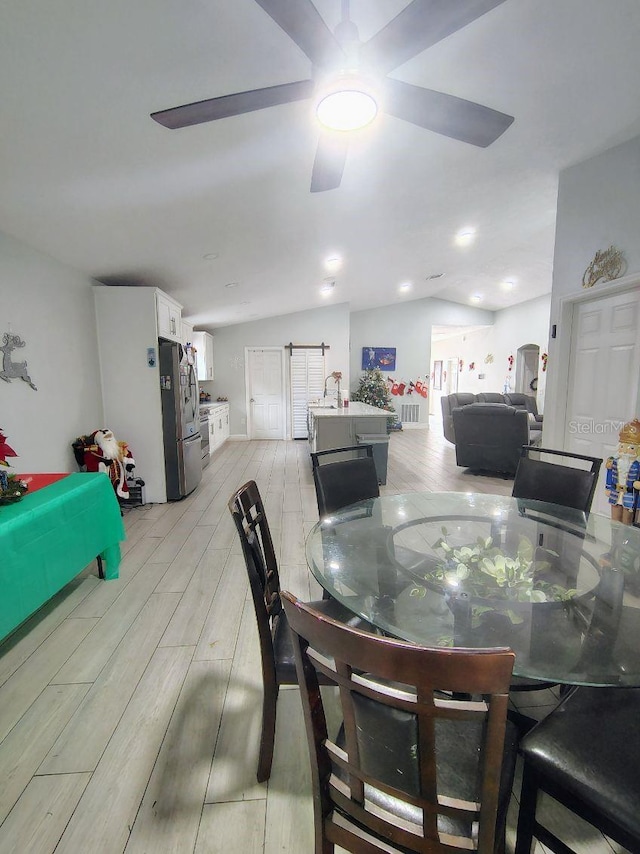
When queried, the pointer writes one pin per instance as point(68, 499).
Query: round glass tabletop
point(470, 570)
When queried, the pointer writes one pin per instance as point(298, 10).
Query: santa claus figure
point(105, 453)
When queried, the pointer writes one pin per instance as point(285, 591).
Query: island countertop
point(354, 409)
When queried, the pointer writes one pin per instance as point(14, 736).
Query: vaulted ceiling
point(87, 177)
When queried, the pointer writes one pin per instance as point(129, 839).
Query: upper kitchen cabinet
point(203, 342)
point(187, 333)
point(169, 317)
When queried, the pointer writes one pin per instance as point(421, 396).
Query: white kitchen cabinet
point(218, 426)
point(203, 343)
point(169, 317)
point(187, 332)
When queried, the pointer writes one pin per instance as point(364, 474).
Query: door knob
point(251, 400)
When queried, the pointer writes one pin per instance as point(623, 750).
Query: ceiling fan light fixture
point(347, 103)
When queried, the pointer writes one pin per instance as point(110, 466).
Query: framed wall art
point(379, 357)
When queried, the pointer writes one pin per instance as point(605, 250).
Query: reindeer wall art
point(13, 370)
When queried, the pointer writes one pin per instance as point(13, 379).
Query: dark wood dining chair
point(276, 650)
point(411, 769)
point(341, 482)
point(586, 755)
point(566, 485)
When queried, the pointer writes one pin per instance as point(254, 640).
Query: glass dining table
point(559, 588)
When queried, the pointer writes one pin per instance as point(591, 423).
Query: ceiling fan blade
point(420, 24)
point(233, 105)
point(329, 163)
point(445, 114)
point(302, 22)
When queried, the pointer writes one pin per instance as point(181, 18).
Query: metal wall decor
point(13, 370)
point(607, 264)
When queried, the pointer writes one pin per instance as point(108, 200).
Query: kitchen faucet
point(336, 376)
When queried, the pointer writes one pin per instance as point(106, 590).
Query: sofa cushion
point(523, 401)
point(461, 398)
point(490, 397)
point(448, 402)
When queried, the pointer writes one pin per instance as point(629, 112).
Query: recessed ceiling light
point(509, 284)
point(333, 263)
point(476, 298)
point(232, 284)
point(405, 286)
point(465, 236)
point(327, 287)
point(211, 256)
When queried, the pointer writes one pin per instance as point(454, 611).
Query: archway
point(527, 366)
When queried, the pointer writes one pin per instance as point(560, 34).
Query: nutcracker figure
point(623, 473)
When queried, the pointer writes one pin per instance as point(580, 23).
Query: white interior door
point(604, 377)
point(265, 392)
point(306, 367)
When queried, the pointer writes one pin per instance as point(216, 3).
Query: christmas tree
point(373, 389)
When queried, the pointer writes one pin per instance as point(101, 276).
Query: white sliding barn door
point(307, 383)
point(265, 392)
point(604, 372)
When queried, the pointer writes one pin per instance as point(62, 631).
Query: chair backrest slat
point(409, 762)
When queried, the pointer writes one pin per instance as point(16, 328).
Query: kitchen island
point(331, 427)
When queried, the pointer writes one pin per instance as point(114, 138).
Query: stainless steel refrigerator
point(180, 420)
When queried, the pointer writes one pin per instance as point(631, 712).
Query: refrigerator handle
point(193, 382)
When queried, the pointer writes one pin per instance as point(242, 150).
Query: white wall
point(50, 306)
point(526, 323)
point(329, 325)
point(598, 205)
point(407, 327)
point(126, 328)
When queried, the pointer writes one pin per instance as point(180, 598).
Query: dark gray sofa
point(519, 401)
point(528, 402)
point(490, 436)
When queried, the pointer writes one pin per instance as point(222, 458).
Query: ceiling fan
point(342, 64)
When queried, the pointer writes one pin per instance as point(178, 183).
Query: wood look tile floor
point(130, 709)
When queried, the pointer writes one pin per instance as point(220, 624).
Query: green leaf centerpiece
point(491, 579)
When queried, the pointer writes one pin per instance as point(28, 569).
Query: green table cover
point(50, 536)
